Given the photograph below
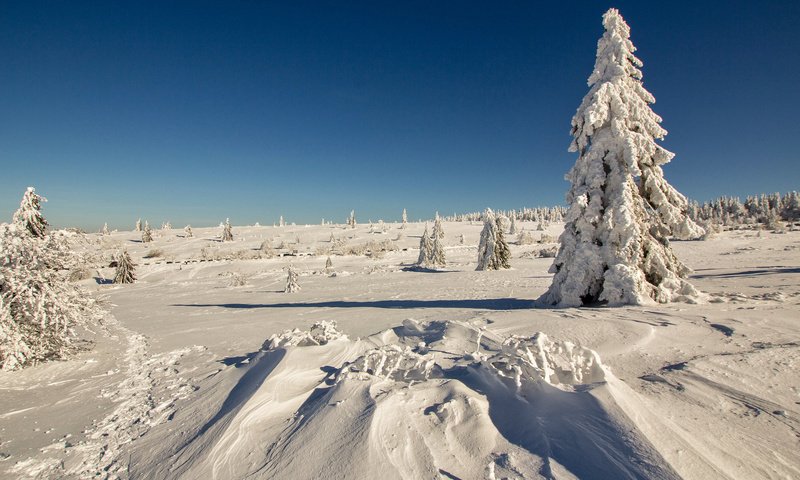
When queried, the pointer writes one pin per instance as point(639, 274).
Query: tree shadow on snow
point(751, 273)
point(479, 304)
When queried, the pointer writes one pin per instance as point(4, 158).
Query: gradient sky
point(196, 111)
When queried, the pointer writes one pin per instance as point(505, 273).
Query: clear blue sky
point(196, 111)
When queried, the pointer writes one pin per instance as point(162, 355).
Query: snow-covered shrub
point(266, 248)
point(39, 308)
point(79, 273)
point(154, 253)
point(525, 238)
point(615, 247)
point(125, 268)
point(187, 231)
point(238, 279)
point(547, 252)
point(545, 238)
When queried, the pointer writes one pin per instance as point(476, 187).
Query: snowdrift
point(422, 400)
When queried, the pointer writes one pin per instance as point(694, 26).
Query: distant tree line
point(766, 209)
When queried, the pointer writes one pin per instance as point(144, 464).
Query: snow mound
point(446, 396)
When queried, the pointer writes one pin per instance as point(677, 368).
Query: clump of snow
point(319, 334)
point(392, 362)
point(539, 358)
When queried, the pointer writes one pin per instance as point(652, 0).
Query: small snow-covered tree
point(125, 268)
point(281, 222)
point(502, 254)
point(104, 231)
point(486, 245)
point(147, 233)
point(187, 231)
point(512, 230)
point(425, 249)
point(166, 225)
point(437, 258)
point(328, 264)
point(615, 246)
point(291, 281)
point(138, 227)
point(29, 215)
point(227, 232)
point(351, 220)
point(405, 219)
point(438, 231)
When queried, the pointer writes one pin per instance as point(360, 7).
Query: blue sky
point(197, 111)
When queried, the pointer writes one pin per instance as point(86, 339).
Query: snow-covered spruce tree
point(104, 231)
point(147, 233)
point(138, 227)
point(125, 268)
point(39, 308)
point(227, 233)
point(486, 245)
point(438, 231)
point(425, 249)
point(29, 215)
point(615, 246)
point(502, 254)
point(437, 259)
point(291, 281)
point(328, 265)
point(187, 231)
point(512, 230)
point(405, 219)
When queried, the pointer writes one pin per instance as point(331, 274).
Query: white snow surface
point(379, 370)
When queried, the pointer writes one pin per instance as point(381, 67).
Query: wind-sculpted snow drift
point(435, 400)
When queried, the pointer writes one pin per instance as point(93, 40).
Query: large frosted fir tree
point(615, 246)
point(29, 215)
